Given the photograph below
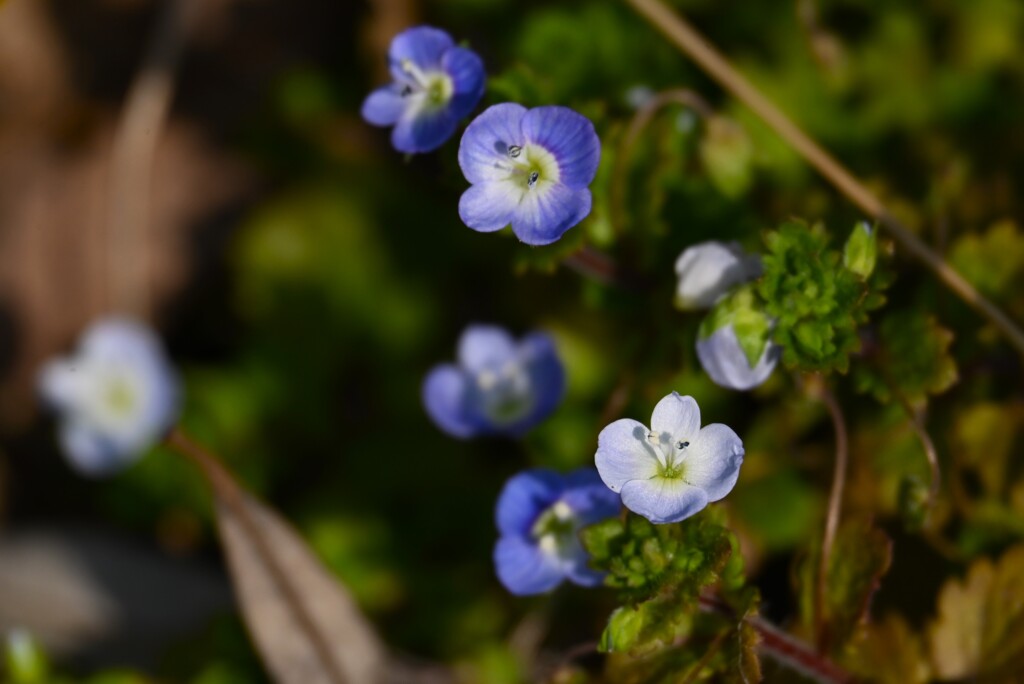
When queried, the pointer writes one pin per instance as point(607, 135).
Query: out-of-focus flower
point(673, 470)
point(499, 386)
point(539, 516)
point(728, 365)
point(436, 84)
point(116, 396)
point(708, 270)
point(529, 168)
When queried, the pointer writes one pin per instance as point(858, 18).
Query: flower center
point(554, 527)
point(531, 166)
point(505, 392)
point(674, 456)
point(435, 87)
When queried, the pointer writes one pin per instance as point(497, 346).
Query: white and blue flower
point(500, 386)
point(727, 364)
point(530, 168)
point(674, 469)
point(116, 396)
point(707, 271)
point(436, 84)
point(539, 516)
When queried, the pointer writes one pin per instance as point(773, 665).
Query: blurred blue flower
point(539, 516)
point(673, 470)
point(499, 386)
point(724, 361)
point(436, 85)
point(116, 396)
point(530, 168)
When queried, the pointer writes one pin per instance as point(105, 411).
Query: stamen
point(533, 179)
point(418, 76)
point(406, 91)
point(514, 151)
point(682, 445)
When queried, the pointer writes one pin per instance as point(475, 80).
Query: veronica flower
point(708, 270)
point(529, 168)
point(728, 365)
point(499, 386)
point(436, 85)
point(539, 516)
point(116, 396)
point(674, 469)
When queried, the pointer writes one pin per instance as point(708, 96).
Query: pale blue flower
point(529, 168)
point(539, 516)
point(725, 362)
point(673, 470)
point(436, 84)
point(499, 386)
point(707, 271)
point(116, 396)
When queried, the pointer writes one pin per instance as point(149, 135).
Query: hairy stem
point(227, 489)
point(687, 39)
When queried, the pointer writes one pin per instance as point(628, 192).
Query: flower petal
point(490, 205)
point(384, 106)
point(578, 571)
point(725, 363)
point(676, 418)
point(483, 152)
point(547, 210)
point(709, 269)
point(424, 46)
point(91, 453)
point(444, 397)
point(422, 130)
point(570, 137)
point(524, 497)
point(624, 454)
point(524, 569)
point(589, 498)
point(713, 460)
point(483, 347)
point(538, 353)
point(467, 73)
point(663, 500)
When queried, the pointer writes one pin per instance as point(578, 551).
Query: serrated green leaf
point(889, 652)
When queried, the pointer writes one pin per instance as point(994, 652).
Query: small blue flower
point(725, 362)
point(707, 271)
point(530, 168)
point(673, 470)
point(499, 386)
point(436, 85)
point(116, 397)
point(539, 516)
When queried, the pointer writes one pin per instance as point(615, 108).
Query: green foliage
point(24, 660)
point(992, 261)
point(911, 360)
point(728, 155)
point(861, 251)
point(817, 302)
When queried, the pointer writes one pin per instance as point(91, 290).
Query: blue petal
point(676, 417)
point(524, 569)
point(444, 397)
point(589, 497)
point(570, 137)
point(489, 206)
point(422, 131)
point(713, 460)
point(524, 497)
point(384, 106)
point(467, 74)
point(547, 211)
point(423, 45)
point(624, 454)
point(579, 572)
point(92, 454)
point(483, 152)
point(725, 363)
point(547, 378)
point(484, 347)
point(662, 500)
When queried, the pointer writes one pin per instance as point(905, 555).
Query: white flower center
point(506, 392)
point(673, 452)
point(531, 167)
point(431, 89)
point(555, 529)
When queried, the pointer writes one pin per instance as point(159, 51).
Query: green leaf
point(994, 261)
point(978, 633)
point(861, 251)
point(728, 155)
point(24, 659)
point(889, 652)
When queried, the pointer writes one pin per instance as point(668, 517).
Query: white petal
point(724, 361)
point(713, 460)
point(662, 500)
point(709, 270)
point(624, 454)
point(676, 418)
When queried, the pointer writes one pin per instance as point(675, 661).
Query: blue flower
point(725, 362)
point(707, 271)
point(116, 397)
point(530, 168)
point(539, 516)
point(673, 470)
point(499, 386)
point(436, 85)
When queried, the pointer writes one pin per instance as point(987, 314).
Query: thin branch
point(687, 39)
point(138, 132)
point(835, 504)
point(231, 493)
point(931, 454)
point(639, 122)
point(714, 647)
point(784, 648)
